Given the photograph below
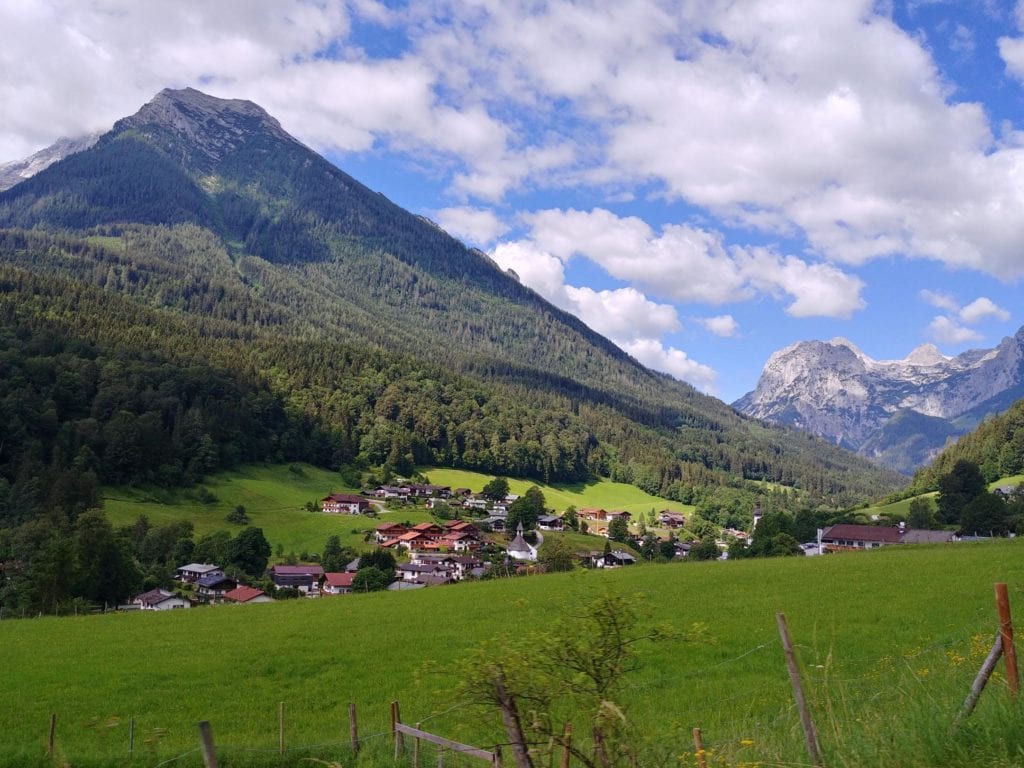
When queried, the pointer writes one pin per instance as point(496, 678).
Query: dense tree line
point(996, 448)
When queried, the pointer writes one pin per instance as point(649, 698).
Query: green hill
point(889, 643)
point(364, 334)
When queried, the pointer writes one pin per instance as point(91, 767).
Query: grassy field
point(275, 497)
point(889, 641)
point(601, 493)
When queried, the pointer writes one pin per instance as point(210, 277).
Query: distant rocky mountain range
point(18, 170)
point(899, 413)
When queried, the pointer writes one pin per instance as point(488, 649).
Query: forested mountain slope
point(198, 236)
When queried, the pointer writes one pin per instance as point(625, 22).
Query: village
point(450, 551)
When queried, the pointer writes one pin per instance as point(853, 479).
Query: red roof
point(338, 579)
point(426, 527)
point(390, 527)
point(243, 594)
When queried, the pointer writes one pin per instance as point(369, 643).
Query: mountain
point(197, 235)
point(17, 171)
point(897, 412)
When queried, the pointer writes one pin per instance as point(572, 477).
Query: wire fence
point(843, 690)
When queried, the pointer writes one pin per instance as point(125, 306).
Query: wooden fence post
point(353, 728)
point(810, 734)
point(698, 748)
point(396, 718)
point(566, 744)
point(416, 750)
point(979, 682)
point(1006, 632)
point(206, 745)
point(280, 727)
point(51, 738)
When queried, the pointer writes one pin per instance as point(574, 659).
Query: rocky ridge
point(835, 390)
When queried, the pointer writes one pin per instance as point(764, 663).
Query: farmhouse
point(550, 523)
point(195, 571)
point(160, 600)
point(389, 532)
point(344, 504)
point(615, 559)
point(247, 595)
point(305, 578)
point(337, 583)
point(592, 513)
point(849, 536)
point(210, 589)
point(672, 519)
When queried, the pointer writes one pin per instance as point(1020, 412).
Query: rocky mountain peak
point(208, 125)
point(834, 390)
point(18, 170)
point(926, 354)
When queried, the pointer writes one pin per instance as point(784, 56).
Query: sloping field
point(275, 497)
point(890, 641)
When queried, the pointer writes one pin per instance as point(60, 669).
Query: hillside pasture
point(275, 496)
point(889, 642)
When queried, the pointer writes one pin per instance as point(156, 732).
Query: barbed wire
point(176, 759)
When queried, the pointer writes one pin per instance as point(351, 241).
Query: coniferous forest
point(174, 305)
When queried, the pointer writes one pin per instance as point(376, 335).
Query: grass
point(889, 641)
point(275, 496)
point(601, 493)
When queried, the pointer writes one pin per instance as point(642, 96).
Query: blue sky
point(703, 182)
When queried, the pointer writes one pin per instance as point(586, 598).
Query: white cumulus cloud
point(946, 330)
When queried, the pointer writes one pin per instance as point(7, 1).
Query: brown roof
point(849, 531)
point(390, 527)
point(243, 594)
point(298, 570)
point(345, 498)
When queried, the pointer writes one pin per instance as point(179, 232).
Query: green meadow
point(275, 497)
point(889, 642)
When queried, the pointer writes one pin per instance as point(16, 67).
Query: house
point(460, 566)
point(615, 559)
point(344, 504)
point(591, 513)
point(160, 600)
point(850, 536)
point(519, 549)
point(389, 532)
point(195, 571)
point(247, 595)
point(429, 491)
point(305, 578)
point(550, 523)
point(338, 583)
point(476, 502)
point(211, 589)
point(623, 514)
point(391, 492)
point(423, 573)
point(409, 540)
point(495, 523)
point(672, 519)
point(430, 531)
